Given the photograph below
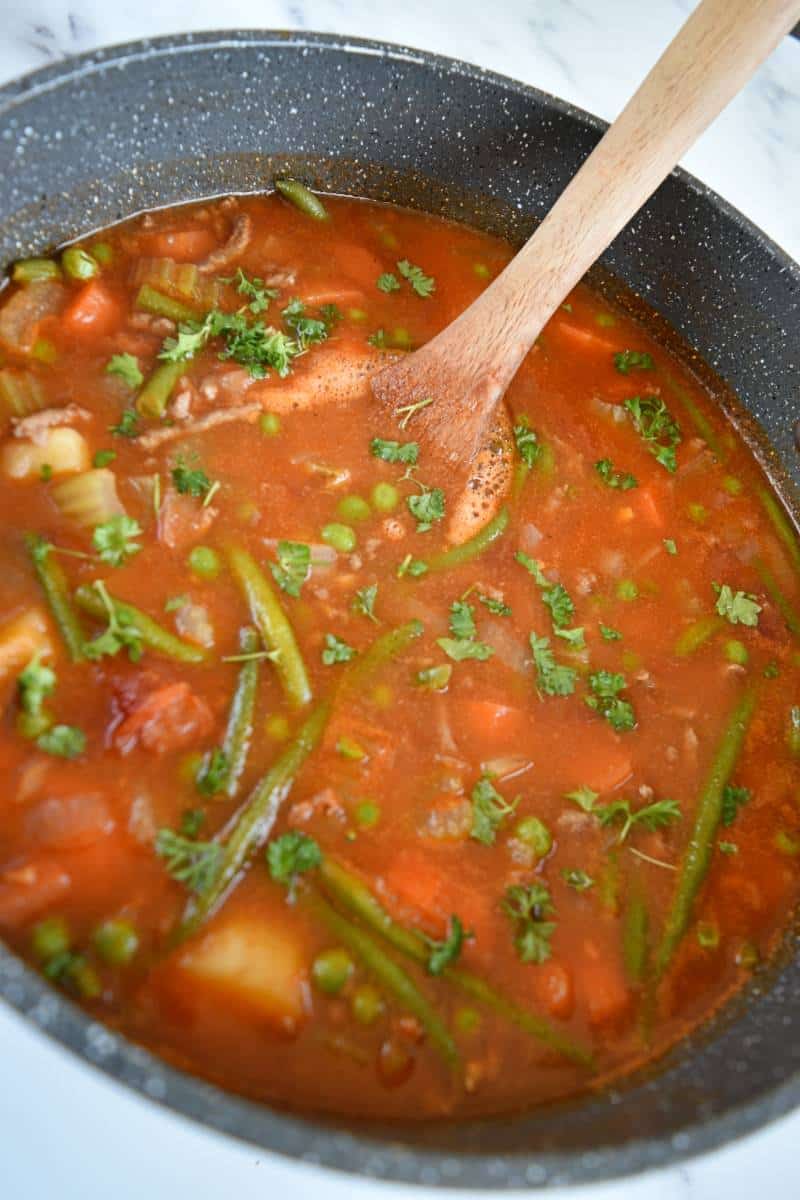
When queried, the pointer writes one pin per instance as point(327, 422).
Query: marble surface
point(66, 1130)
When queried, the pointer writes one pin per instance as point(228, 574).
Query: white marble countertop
point(66, 1130)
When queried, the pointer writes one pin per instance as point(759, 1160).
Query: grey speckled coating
point(96, 138)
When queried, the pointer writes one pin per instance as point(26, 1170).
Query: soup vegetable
point(349, 791)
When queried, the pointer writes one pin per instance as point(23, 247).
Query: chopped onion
point(506, 767)
point(193, 622)
point(506, 646)
point(529, 537)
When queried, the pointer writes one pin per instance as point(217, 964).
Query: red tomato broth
point(83, 831)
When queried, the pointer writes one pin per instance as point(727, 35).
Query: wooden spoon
point(459, 376)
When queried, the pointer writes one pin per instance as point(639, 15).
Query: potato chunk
point(62, 449)
point(20, 639)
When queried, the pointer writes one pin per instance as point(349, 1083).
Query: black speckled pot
point(96, 138)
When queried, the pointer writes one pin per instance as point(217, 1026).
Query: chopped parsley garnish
point(114, 539)
point(573, 636)
point(364, 601)
point(460, 650)
point(728, 848)
point(119, 634)
point(254, 289)
point(254, 345)
point(435, 678)
point(395, 452)
point(615, 479)
point(126, 367)
point(128, 424)
point(669, 546)
point(63, 741)
point(552, 678)
point(422, 284)
point(290, 855)
point(442, 954)
point(102, 458)
point(554, 595)
point(462, 623)
point(653, 816)
point(214, 772)
point(633, 360)
point(336, 651)
point(606, 686)
point(577, 879)
point(495, 605)
point(529, 907)
point(192, 821)
point(585, 798)
point(387, 282)
point(175, 602)
point(489, 810)
point(427, 508)
point(733, 798)
point(740, 608)
point(608, 634)
point(656, 426)
point(378, 339)
point(412, 566)
point(34, 684)
point(291, 570)
point(307, 330)
point(194, 864)
point(191, 481)
point(528, 445)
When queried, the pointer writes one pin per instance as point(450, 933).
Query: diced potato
point(252, 960)
point(90, 498)
point(62, 449)
point(21, 638)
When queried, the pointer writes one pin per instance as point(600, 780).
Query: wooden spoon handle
point(711, 58)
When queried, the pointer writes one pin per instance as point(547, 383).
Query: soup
point(350, 792)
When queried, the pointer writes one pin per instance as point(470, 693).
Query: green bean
point(392, 978)
point(352, 893)
point(54, 585)
point(34, 270)
point(635, 935)
point(239, 730)
point(153, 396)
point(456, 556)
point(698, 418)
point(150, 300)
point(253, 824)
point(789, 613)
point(697, 855)
point(388, 646)
point(78, 264)
point(302, 198)
point(693, 636)
point(273, 625)
point(781, 524)
point(153, 635)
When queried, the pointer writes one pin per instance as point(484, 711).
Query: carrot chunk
point(94, 310)
point(604, 990)
point(495, 726)
point(167, 719)
point(182, 245)
point(29, 889)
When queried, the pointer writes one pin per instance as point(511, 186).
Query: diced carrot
point(494, 726)
point(553, 989)
point(21, 638)
point(183, 245)
point(601, 984)
point(94, 310)
point(434, 890)
point(168, 718)
point(314, 295)
point(65, 820)
point(583, 337)
point(648, 506)
point(599, 764)
point(29, 889)
point(358, 264)
point(416, 880)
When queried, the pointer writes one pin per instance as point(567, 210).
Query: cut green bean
point(273, 625)
point(35, 270)
point(789, 613)
point(699, 850)
point(78, 264)
point(349, 891)
point(149, 299)
point(54, 585)
point(781, 524)
point(253, 824)
point(695, 635)
point(302, 198)
point(635, 934)
point(239, 730)
point(384, 649)
point(392, 978)
point(154, 395)
point(456, 556)
point(697, 417)
point(152, 635)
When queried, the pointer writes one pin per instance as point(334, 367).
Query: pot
point(96, 138)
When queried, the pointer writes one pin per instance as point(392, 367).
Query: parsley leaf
point(192, 863)
point(102, 458)
point(126, 366)
point(442, 954)
point(489, 810)
point(254, 345)
point(552, 679)
point(606, 686)
point(669, 545)
point(412, 566)
point(291, 570)
point(614, 479)
point(192, 821)
point(364, 601)
point(528, 907)
point(290, 855)
point(435, 678)
point(34, 684)
point(387, 282)
point(128, 424)
point(740, 608)
point(465, 648)
point(190, 481)
point(629, 360)
point(120, 632)
point(495, 605)
point(733, 798)
point(395, 452)
point(573, 636)
point(528, 445)
point(64, 741)
point(462, 624)
point(113, 540)
point(554, 595)
point(426, 508)
point(655, 424)
point(213, 774)
point(307, 330)
point(577, 879)
point(653, 816)
point(258, 295)
point(336, 651)
point(422, 284)
point(608, 634)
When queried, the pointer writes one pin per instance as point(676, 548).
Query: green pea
point(736, 652)
point(270, 424)
point(697, 513)
point(627, 590)
point(385, 497)
point(631, 660)
point(367, 1004)
point(732, 485)
point(468, 1020)
point(353, 508)
point(189, 765)
point(787, 844)
point(204, 562)
point(348, 748)
point(50, 938)
point(116, 941)
point(44, 351)
point(605, 319)
point(331, 970)
point(102, 253)
point(35, 270)
point(84, 978)
point(382, 696)
point(401, 338)
point(534, 833)
point(367, 814)
point(707, 935)
point(747, 956)
point(341, 537)
point(481, 270)
point(277, 726)
point(357, 314)
point(79, 264)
